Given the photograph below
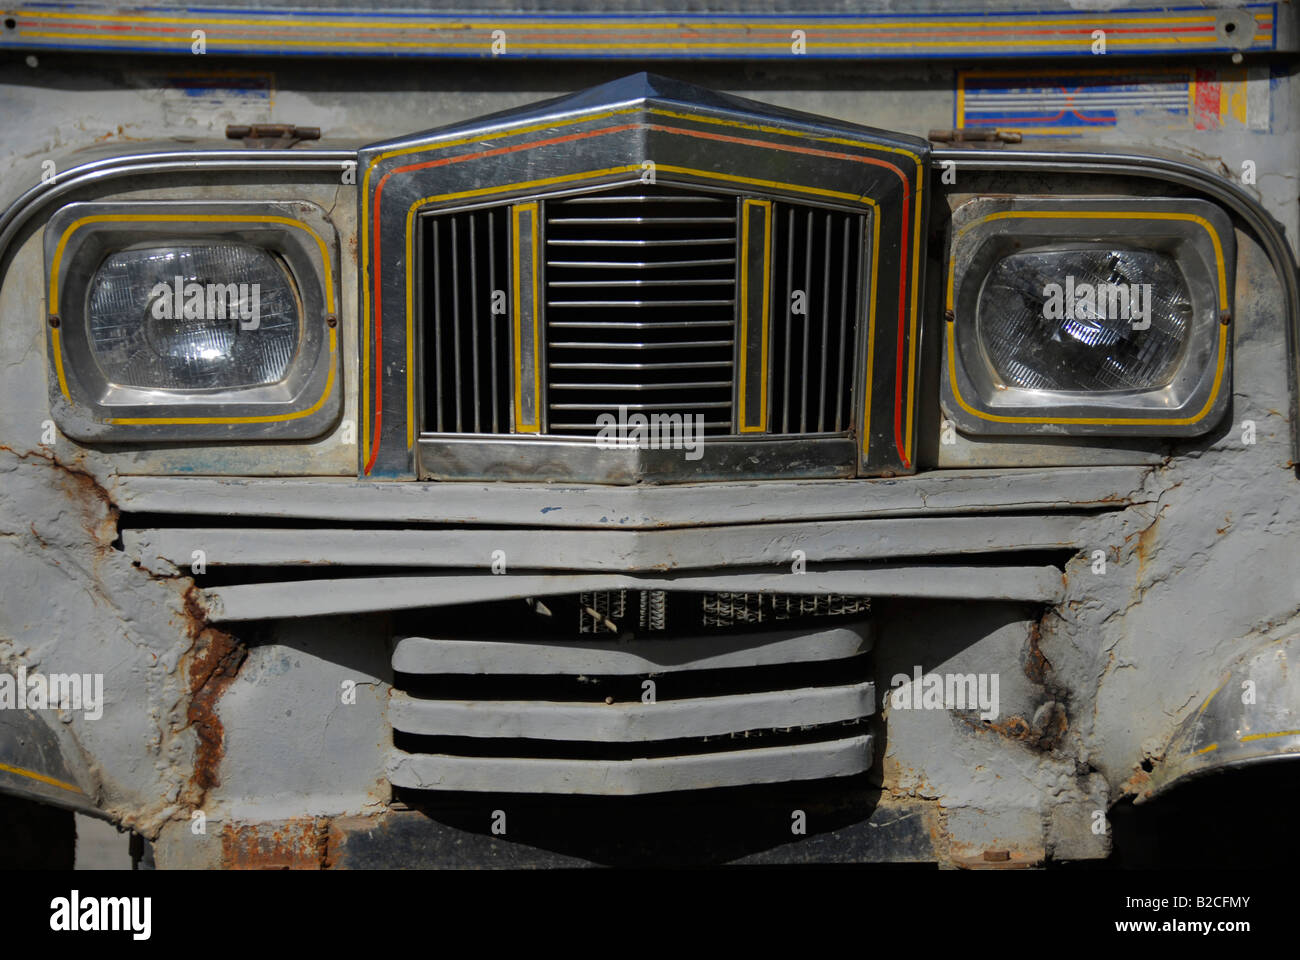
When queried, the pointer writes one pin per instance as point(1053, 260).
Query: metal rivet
point(949, 316)
point(54, 320)
point(1225, 318)
point(332, 320)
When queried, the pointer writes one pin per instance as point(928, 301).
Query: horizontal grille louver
point(640, 307)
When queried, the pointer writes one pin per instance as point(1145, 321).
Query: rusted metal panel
point(291, 845)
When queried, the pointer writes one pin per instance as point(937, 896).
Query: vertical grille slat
point(640, 294)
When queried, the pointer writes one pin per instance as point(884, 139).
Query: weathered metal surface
point(623, 722)
point(1251, 716)
point(556, 505)
point(291, 845)
point(216, 661)
point(311, 598)
point(1096, 675)
point(70, 603)
point(617, 31)
point(813, 761)
point(611, 550)
point(534, 656)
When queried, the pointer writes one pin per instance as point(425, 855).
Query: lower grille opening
point(707, 690)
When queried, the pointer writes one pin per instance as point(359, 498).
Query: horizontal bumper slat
point(630, 722)
point(615, 550)
point(634, 507)
point(421, 655)
point(315, 598)
point(814, 761)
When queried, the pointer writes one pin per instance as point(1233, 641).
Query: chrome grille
point(640, 306)
point(639, 292)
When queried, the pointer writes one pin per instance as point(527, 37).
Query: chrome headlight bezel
point(87, 406)
point(1199, 236)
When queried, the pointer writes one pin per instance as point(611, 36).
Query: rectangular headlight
point(1085, 316)
point(185, 321)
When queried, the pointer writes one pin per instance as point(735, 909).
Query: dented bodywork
point(1136, 599)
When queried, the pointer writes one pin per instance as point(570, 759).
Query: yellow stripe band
point(33, 775)
point(764, 318)
point(518, 213)
point(1268, 736)
point(871, 336)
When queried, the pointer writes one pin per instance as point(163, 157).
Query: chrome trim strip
point(575, 460)
point(27, 204)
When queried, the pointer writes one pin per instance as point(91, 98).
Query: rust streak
point(214, 663)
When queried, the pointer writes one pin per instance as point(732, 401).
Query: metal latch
point(975, 136)
point(271, 136)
